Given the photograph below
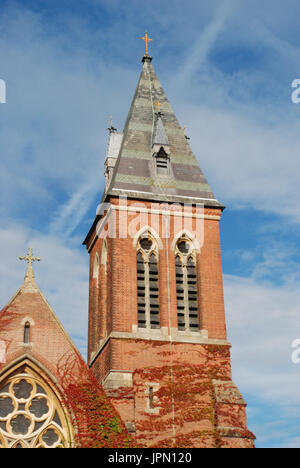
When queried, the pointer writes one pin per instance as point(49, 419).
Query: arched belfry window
point(147, 281)
point(186, 285)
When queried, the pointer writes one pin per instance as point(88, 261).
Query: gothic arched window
point(26, 338)
point(31, 415)
point(147, 280)
point(186, 285)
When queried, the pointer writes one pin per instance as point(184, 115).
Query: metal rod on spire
point(111, 129)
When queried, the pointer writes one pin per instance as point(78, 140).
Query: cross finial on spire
point(30, 259)
point(147, 39)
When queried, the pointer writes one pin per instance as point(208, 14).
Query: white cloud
point(198, 53)
point(70, 214)
point(248, 164)
point(53, 126)
point(263, 320)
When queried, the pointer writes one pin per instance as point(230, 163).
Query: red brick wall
point(119, 303)
point(154, 360)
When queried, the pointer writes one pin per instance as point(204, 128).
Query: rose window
point(31, 415)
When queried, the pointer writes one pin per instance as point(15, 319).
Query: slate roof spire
point(134, 174)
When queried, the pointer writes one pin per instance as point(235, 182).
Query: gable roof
point(29, 301)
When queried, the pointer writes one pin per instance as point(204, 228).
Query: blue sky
point(227, 68)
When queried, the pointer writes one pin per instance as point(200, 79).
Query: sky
point(227, 68)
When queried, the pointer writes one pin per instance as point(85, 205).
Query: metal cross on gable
point(30, 259)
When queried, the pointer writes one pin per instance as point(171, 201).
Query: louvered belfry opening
point(192, 294)
point(186, 286)
point(141, 291)
point(180, 294)
point(162, 162)
point(147, 282)
point(153, 293)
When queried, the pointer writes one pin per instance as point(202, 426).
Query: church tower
point(157, 332)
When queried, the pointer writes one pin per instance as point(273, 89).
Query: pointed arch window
point(26, 338)
point(186, 286)
point(147, 282)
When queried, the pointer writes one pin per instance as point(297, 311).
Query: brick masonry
point(117, 346)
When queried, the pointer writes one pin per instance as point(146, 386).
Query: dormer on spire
point(161, 147)
point(160, 137)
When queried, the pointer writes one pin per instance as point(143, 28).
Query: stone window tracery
point(147, 282)
point(31, 415)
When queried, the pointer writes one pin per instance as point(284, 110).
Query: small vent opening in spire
point(162, 162)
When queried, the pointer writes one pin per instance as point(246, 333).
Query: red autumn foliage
point(6, 318)
point(96, 421)
point(188, 413)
